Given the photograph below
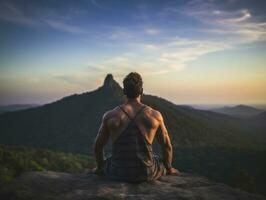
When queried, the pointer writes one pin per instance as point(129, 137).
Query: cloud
point(158, 58)
point(64, 27)
point(19, 15)
point(151, 47)
point(120, 33)
point(96, 4)
point(245, 14)
point(12, 13)
point(235, 25)
point(76, 79)
point(151, 31)
point(186, 54)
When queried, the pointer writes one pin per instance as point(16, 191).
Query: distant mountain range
point(71, 123)
point(239, 110)
point(16, 107)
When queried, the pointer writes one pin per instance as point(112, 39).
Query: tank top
point(132, 157)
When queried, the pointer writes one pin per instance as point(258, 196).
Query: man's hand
point(97, 170)
point(173, 171)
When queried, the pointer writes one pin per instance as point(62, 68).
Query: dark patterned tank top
point(132, 157)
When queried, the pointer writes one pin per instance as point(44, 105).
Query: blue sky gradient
point(187, 51)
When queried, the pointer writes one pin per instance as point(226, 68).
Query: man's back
point(148, 120)
point(132, 157)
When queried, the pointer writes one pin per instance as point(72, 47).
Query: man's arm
point(100, 141)
point(166, 146)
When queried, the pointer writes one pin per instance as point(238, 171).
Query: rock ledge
point(56, 185)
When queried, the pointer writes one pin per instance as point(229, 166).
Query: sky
point(189, 52)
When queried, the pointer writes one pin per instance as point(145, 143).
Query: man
point(132, 128)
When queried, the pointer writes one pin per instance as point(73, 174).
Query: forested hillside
point(15, 160)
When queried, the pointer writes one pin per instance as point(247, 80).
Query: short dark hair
point(133, 85)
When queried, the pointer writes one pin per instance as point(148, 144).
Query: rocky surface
point(63, 186)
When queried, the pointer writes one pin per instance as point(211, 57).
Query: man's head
point(133, 85)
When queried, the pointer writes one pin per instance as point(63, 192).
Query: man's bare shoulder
point(153, 113)
point(111, 113)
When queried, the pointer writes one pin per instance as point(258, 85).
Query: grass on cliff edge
point(15, 160)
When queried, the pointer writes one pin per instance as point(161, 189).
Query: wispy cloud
point(180, 56)
point(152, 31)
point(235, 25)
point(15, 14)
point(97, 4)
point(159, 58)
point(10, 12)
point(80, 78)
point(64, 27)
point(120, 33)
point(243, 16)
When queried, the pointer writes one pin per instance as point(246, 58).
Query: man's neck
point(133, 101)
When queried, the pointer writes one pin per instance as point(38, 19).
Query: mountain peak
point(239, 110)
point(242, 106)
point(109, 82)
